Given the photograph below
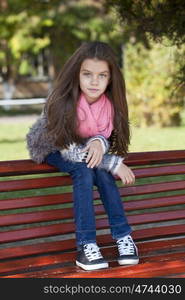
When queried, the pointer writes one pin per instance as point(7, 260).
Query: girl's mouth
point(93, 90)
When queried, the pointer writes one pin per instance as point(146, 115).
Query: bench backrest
point(37, 210)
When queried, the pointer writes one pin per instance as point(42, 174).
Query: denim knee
point(103, 176)
point(83, 174)
point(55, 159)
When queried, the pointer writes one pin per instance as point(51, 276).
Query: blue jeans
point(84, 179)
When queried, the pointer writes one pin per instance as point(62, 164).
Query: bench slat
point(153, 157)
point(58, 229)
point(174, 262)
point(147, 218)
point(67, 213)
point(143, 189)
point(159, 171)
point(54, 259)
point(176, 275)
point(104, 240)
point(46, 200)
point(143, 270)
point(139, 173)
point(36, 232)
point(23, 167)
point(35, 201)
point(154, 202)
point(17, 167)
point(28, 184)
point(15, 185)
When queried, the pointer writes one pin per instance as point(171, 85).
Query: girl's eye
point(103, 75)
point(100, 75)
point(86, 74)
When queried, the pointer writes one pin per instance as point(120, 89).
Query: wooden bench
point(37, 229)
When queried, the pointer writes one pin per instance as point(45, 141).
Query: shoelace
point(92, 251)
point(126, 246)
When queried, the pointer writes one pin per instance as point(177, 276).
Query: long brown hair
point(62, 101)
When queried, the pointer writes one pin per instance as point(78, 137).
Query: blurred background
point(36, 38)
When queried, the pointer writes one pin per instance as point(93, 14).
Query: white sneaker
point(90, 258)
point(128, 252)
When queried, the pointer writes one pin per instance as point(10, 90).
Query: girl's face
point(94, 78)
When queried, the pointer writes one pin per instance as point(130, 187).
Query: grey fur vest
point(40, 144)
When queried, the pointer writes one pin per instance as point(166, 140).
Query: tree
point(59, 26)
point(160, 20)
point(150, 85)
point(146, 22)
point(53, 27)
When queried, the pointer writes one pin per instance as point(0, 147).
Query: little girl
point(84, 131)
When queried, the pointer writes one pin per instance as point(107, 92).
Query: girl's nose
point(94, 80)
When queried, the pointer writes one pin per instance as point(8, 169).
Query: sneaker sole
point(128, 262)
point(92, 267)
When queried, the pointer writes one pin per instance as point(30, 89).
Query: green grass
point(13, 143)
point(12, 140)
point(155, 139)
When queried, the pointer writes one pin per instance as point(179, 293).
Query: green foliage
point(60, 26)
point(25, 68)
point(154, 72)
point(150, 77)
point(163, 22)
point(159, 18)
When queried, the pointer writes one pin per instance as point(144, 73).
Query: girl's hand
point(95, 153)
point(126, 174)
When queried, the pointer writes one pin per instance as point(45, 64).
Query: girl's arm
point(95, 148)
point(109, 162)
point(104, 142)
point(114, 164)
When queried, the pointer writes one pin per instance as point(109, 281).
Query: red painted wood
point(37, 216)
point(35, 183)
point(148, 267)
point(22, 167)
point(103, 240)
point(39, 248)
point(152, 188)
point(44, 168)
point(52, 230)
point(27, 264)
point(159, 171)
point(61, 214)
point(156, 232)
point(37, 201)
point(147, 218)
point(145, 270)
point(14, 167)
point(28, 167)
point(175, 276)
point(36, 232)
point(151, 157)
point(156, 217)
point(16, 185)
point(154, 202)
